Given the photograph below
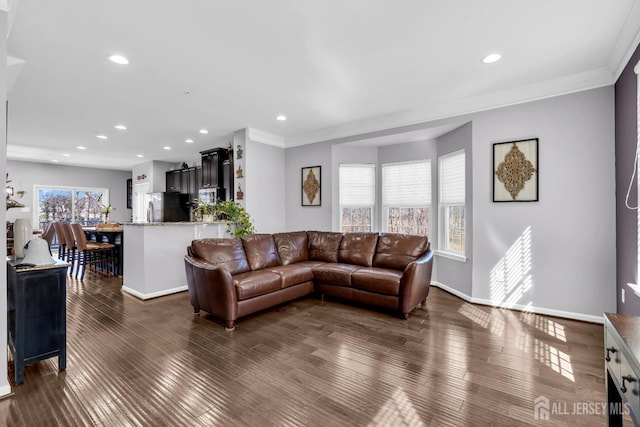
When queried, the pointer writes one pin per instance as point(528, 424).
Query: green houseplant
point(204, 211)
point(235, 213)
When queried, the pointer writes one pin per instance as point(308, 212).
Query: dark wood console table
point(37, 314)
point(622, 353)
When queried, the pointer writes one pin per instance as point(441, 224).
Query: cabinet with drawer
point(621, 355)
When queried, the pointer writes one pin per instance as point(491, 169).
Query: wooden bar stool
point(92, 253)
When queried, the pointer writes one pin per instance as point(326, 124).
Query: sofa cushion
point(396, 251)
point(378, 280)
point(324, 245)
point(292, 247)
point(228, 253)
point(261, 251)
point(334, 273)
point(254, 283)
point(292, 274)
point(358, 248)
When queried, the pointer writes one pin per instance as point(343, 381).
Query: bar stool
point(72, 246)
point(90, 253)
point(62, 242)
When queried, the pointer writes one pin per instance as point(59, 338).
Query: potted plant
point(236, 214)
point(205, 211)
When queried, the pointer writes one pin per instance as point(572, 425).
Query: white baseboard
point(164, 292)
point(5, 390)
point(519, 307)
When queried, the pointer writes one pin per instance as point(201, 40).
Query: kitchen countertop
point(155, 224)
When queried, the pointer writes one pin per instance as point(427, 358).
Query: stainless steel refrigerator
point(168, 207)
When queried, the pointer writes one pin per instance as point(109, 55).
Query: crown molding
point(455, 108)
point(627, 42)
point(264, 137)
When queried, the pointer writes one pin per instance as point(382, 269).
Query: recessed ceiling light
point(55, 160)
point(119, 59)
point(80, 147)
point(120, 127)
point(67, 155)
point(281, 117)
point(167, 148)
point(204, 131)
point(139, 155)
point(99, 136)
point(189, 141)
point(491, 58)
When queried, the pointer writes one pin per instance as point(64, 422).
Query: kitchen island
point(154, 255)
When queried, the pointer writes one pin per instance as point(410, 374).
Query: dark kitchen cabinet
point(174, 181)
point(212, 167)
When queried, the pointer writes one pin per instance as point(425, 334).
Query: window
point(406, 197)
point(70, 204)
point(452, 202)
point(357, 196)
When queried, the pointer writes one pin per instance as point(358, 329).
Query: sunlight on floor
point(543, 352)
point(511, 278)
point(557, 360)
point(548, 326)
point(397, 411)
point(482, 318)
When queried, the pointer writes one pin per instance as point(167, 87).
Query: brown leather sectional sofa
point(231, 278)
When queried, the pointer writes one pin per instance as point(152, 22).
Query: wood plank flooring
point(309, 363)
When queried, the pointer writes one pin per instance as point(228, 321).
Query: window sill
point(451, 255)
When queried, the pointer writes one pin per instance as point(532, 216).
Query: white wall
point(25, 175)
point(568, 236)
point(264, 186)
point(5, 388)
point(572, 226)
point(298, 217)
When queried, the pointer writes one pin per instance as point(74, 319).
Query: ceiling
point(334, 68)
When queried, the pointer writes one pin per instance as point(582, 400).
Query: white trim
point(450, 255)
point(257, 135)
point(519, 307)
point(5, 391)
point(636, 69)
point(620, 55)
point(559, 86)
point(162, 293)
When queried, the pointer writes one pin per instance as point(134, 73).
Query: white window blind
point(452, 179)
point(357, 185)
point(406, 184)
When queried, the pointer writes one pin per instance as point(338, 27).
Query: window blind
point(452, 182)
point(357, 185)
point(406, 184)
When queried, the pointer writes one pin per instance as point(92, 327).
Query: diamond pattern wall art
point(515, 171)
point(311, 186)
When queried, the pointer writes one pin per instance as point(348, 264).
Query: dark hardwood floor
point(309, 363)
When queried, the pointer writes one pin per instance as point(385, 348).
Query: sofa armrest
point(415, 282)
point(211, 289)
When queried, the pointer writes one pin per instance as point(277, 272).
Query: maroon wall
point(626, 219)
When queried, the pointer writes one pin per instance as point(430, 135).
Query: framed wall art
point(515, 171)
point(311, 185)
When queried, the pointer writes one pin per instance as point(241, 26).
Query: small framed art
point(515, 171)
point(311, 185)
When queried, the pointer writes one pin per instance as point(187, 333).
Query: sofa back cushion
point(292, 247)
point(261, 251)
point(358, 248)
point(324, 245)
point(229, 253)
point(397, 250)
